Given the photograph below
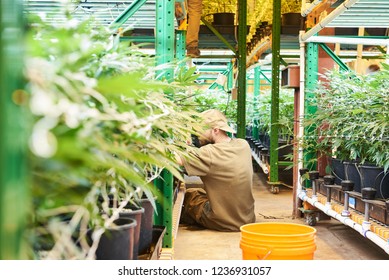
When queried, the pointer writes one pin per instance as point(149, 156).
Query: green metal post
point(242, 34)
point(275, 94)
point(164, 37)
point(165, 54)
point(180, 44)
point(266, 78)
point(13, 134)
point(230, 76)
point(257, 81)
point(311, 77)
point(164, 214)
point(257, 85)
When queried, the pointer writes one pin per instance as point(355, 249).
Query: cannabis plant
point(260, 110)
point(352, 116)
point(102, 125)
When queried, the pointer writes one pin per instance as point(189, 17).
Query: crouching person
point(225, 167)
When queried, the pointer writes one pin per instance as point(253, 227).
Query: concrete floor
point(334, 240)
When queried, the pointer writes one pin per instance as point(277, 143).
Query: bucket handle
point(269, 251)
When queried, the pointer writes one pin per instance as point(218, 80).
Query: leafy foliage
point(102, 125)
point(352, 117)
point(259, 110)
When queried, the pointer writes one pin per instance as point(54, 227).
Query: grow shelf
point(378, 233)
point(378, 208)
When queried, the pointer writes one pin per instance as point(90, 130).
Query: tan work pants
point(195, 8)
point(194, 201)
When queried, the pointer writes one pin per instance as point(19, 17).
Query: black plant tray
point(156, 244)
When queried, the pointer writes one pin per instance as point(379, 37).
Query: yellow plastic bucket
point(277, 241)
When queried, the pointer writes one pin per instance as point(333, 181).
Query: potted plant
point(352, 108)
point(101, 124)
point(261, 111)
point(223, 12)
point(291, 12)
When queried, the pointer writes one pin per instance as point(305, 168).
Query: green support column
point(311, 77)
point(180, 44)
point(275, 92)
point(242, 34)
point(265, 77)
point(164, 37)
point(257, 81)
point(230, 76)
point(164, 43)
point(14, 198)
point(164, 214)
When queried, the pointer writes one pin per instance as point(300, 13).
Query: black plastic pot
point(368, 193)
point(261, 137)
point(303, 171)
point(375, 177)
point(223, 18)
point(352, 173)
point(293, 19)
point(266, 141)
point(313, 175)
point(347, 186)
point(117, 243)
point(265, 156)
point(146, 229)
point(329, 180)
point(337, 169)
point(136, 213)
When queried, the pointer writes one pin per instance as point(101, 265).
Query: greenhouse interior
point(118, 144)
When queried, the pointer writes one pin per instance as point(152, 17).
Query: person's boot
point(193, 52)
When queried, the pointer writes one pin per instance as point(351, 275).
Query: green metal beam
point(180, 44)
point(283, 62)
point(275, 91)
point(257, 80)
point(164, 55)
point(311, 78)
point(209, 25)
point(14, 195)
point(230, 76)
point(139, 39)
point(338, 61)
point(242, 37)
point(164, 204)
point(225, 73)
point(164, 38)
point(129, 12)
point(266, 78)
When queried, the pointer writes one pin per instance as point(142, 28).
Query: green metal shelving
point(275, 92)
point(311, 77)
point(14, 193)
